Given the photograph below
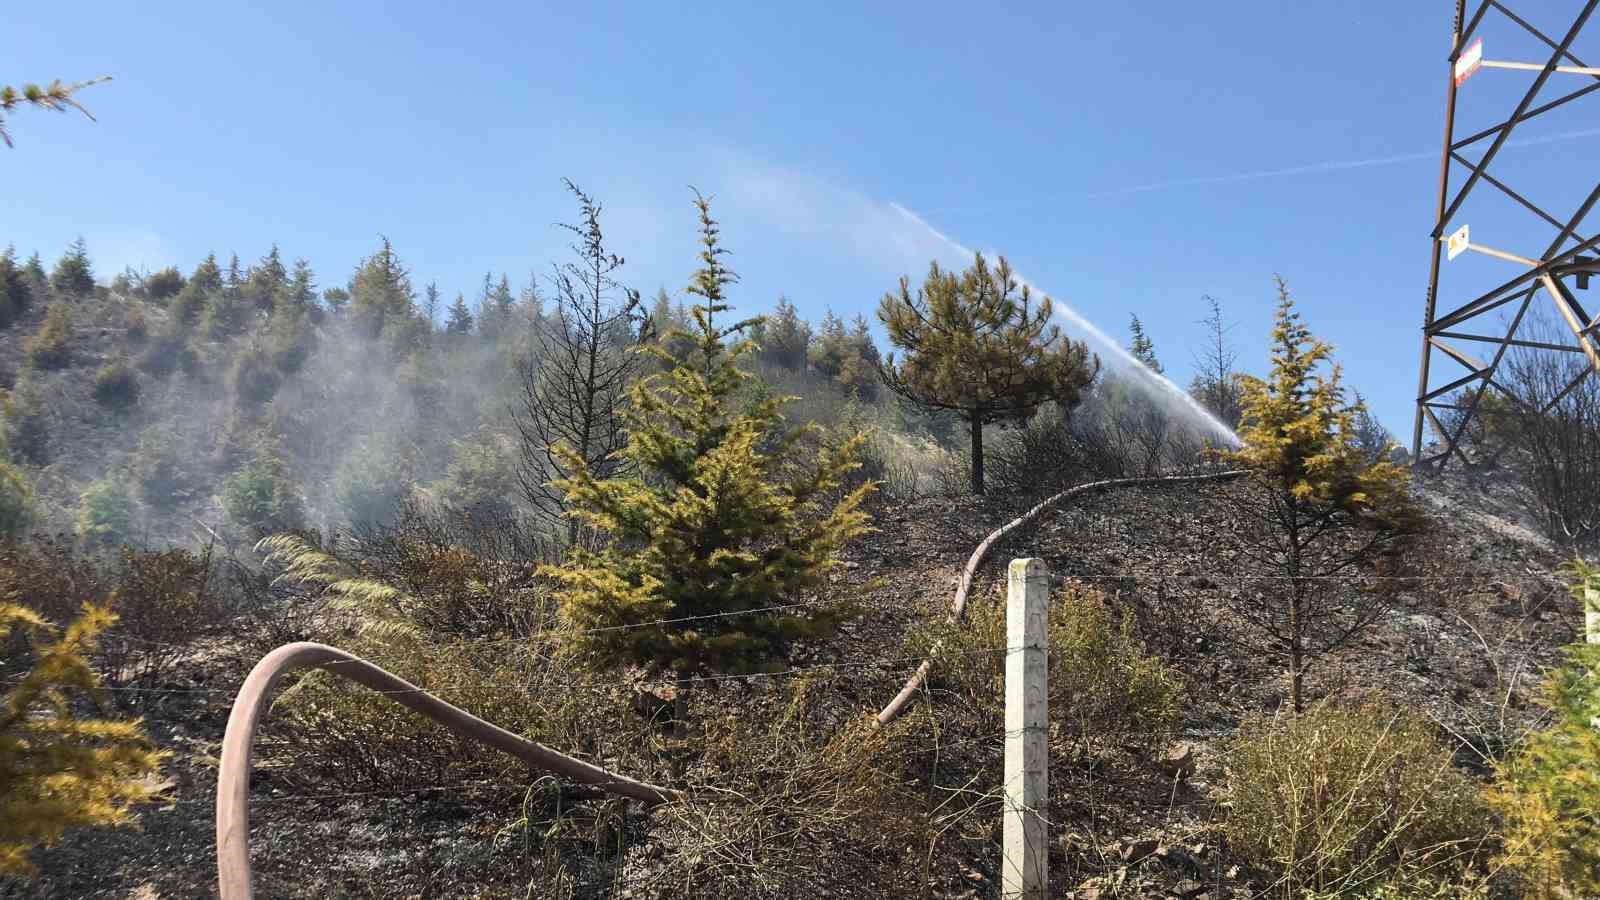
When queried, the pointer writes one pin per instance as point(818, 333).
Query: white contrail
point(1159, 381)
point(1333, 166)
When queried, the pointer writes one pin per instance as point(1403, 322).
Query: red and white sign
point(1458, 242)
point(1469, 61)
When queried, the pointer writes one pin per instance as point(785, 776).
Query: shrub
point(51, 346)
point(368, 486)
point(353, 736)
point(1347, 798)
point(116, 386)
point(1547, 791)
point(16, 502)
point(482, 473)
point(105, 513)
point(169, 352)
point(163, 284)
point(164, 601)
point(1108, 688)
point(27, 424)
point(134, 326)
point(63, 772)
point(55, 580)
point(252, 379)
point(157, 463)
point(826, 808)
point(260, 497)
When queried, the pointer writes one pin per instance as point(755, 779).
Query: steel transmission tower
point(1478, 324)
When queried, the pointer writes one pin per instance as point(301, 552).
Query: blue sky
point(1115, 152)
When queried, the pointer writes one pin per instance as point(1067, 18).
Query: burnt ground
point(1463, 643)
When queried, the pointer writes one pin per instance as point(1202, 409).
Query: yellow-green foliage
point(1344, 799)
point(51, 346)
point(1319, 510)
point(1547, 791)
point(1298, 433)
point(1102, 683)
point(16, 501)
point(58, 771)
point(717, 524)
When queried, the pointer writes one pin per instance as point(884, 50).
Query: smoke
point(1157, 386)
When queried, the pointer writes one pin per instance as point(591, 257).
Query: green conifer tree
point(58, 771)
point(460, 318)
point(337, 299)
point(977, 346)
point(266, 282)
point(73, 277)
point(1142, 348)
point(786, 341)
point(708, 529)
point(380, 292)
point(16, 293)
point(34, 269)
point(1547, 789)
point(302, 290)
point(1318, 508)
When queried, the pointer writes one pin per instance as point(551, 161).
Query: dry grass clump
point(1350, 800)
point(1104, 688)
point(793, 802)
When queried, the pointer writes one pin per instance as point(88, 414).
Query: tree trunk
point(1296, 650)
point(977, 452)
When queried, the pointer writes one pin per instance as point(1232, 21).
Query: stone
point(1131, 851)
point(1178, 762)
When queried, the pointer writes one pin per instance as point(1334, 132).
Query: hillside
point(1146, 547)
point(163, 435)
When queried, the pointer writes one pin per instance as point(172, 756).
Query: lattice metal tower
point(1448, 399)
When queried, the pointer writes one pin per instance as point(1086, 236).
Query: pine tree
point(337, 299)
point(430, 304)
point(494, 308)
point(54, 96)
point(575, 387)
point(460, 318)
point(202, 289)
point(977, 346)
point(301, 293)
point(207, 275)
point(266, 282)
point(711, 530)
point(1141, 346)
point(380, 291)
point(57, 771)
point(1216, 383)
point(16, 294)
point(227, 313)
point(73, 276)
point(670, 324)
point(34, 269)
point(786, 342)
point(1315, 507)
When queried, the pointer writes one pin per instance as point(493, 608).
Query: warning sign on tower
point(1469, 61)
point(1457, 243)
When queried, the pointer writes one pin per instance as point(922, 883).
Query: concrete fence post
point(1025, 868)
